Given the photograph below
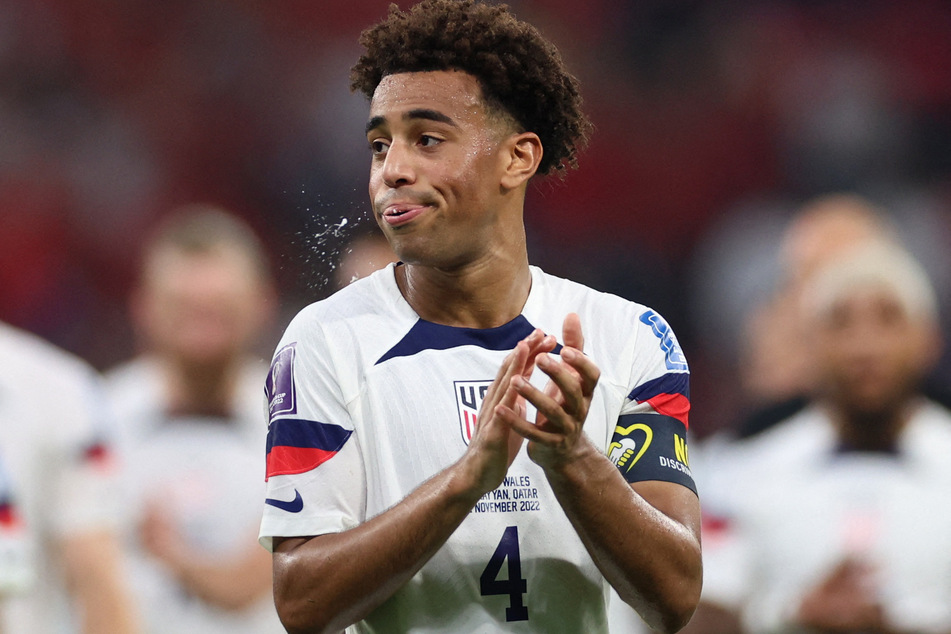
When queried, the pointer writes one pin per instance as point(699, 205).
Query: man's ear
point(523, 153)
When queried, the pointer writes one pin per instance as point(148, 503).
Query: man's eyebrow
point(418, 113)
point(431, 115)
point(374, 122)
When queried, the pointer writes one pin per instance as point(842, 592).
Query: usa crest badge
point(469, 397)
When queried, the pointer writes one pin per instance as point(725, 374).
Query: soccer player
point(188, 410)
point(833, 520)
point(408, 489)
point(774, 367)
point(57, 457)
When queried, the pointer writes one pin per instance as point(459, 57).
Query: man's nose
point(398, 166)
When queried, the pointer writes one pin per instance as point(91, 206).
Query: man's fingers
point(572, 354)
point(549, 406)
point(527, 430)
point(566, 385)
point(522, 357)
point(519, 360)
point(504, 368)
point(542, 344)
point(572, 380)
point(510, 366)
point(571, 331)
point(586, 369)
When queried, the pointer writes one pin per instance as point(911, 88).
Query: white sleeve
point(84, 475)
point(660, 377)
point(17, 571)
point(315, 478)
point(726, 562)
point(649, 441)
point(731, 535)
point(727, 556)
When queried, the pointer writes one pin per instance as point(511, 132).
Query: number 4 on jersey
point(514, 586)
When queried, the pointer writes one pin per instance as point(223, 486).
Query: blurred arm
point(844, 601)
point(92, 565)
point(231, 583)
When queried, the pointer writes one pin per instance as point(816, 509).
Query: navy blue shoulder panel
point(426, 335)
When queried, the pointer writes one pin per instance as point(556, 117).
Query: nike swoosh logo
point(292, 506)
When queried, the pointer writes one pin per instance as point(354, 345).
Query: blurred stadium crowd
point(714, 120)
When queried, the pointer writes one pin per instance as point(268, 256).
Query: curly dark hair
point(520, 72)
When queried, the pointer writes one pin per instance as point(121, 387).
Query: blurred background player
point(749, 275)
point(190, 412)
point(58, 463)
point(834, 520)
point(774, 361)
point(774, 370)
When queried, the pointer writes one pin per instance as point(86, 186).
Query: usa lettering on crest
point(469, 397)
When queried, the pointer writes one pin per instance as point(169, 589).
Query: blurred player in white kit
point(189, 414)
point(60, 473)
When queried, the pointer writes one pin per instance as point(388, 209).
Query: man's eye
point(378, 147)
point(429, 141)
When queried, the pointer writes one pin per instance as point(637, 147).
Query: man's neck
point(878, 431)
point(484, 294)
point(200, 389)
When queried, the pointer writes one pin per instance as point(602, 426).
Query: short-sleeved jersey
point(790, 504)
point(367, 401)
point(205, 472)
point(55, 444)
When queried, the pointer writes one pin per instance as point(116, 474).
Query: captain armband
point(651, 447)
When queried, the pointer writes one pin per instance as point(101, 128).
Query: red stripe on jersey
point(714, 524)
point(99, 456)
point(9, 518)
point(673, 405)
point(285, 460)
point(716, 530)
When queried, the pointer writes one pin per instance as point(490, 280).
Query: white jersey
point(55, 452)
point(16, 548)
point(206, 473)
point(138, 400)
point(367, 401)
point(789, 505)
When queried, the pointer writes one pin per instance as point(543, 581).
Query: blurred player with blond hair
point(189, 414)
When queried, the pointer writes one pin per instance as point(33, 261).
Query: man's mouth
point(402, 213)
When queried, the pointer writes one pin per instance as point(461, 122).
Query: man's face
point(870, 352)
point(201, 307)
point(436, 167)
